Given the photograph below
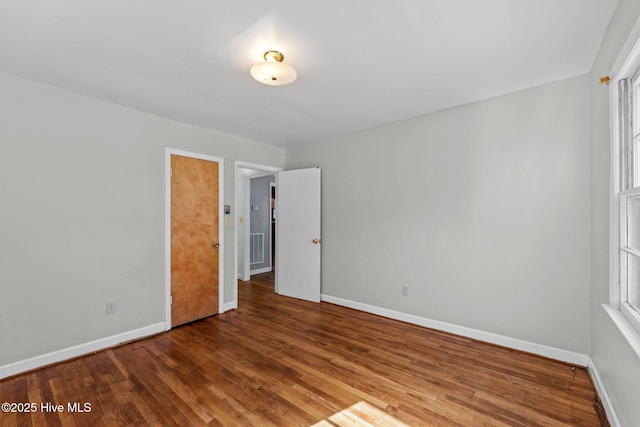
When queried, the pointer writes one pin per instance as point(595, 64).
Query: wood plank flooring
point(278, 361)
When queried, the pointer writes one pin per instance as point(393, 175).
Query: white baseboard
point(529, 347)
point(78, 350)
point(612, 417)
point(228, 306)
point(261, 270)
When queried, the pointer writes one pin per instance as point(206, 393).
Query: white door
point(298, 234)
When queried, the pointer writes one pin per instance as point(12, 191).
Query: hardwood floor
point(278, 361)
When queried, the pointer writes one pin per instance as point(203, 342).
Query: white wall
point(82, 215)
point(482, 211)
point(617, 365)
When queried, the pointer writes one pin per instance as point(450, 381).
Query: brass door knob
point(215, 245)
point(316, 241)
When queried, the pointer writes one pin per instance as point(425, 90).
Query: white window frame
point(627, 310)
point(623, 314)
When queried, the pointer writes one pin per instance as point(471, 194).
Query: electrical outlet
point(405, 291)
point(111, 308)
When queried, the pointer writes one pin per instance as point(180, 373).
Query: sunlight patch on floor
point(361, 414)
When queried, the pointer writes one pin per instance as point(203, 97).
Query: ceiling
point(360, 63)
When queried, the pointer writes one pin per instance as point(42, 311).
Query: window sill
point(628, 331)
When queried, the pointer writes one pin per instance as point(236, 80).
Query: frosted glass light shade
point(273, 72)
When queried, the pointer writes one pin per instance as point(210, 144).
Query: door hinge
point(170, 299)
point(170, 172)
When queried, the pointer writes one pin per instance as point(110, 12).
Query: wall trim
point(261, 270)
point(78, 350)
point(612, 417)
point(229, 306)
point(514, 343)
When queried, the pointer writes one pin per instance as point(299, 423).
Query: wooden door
point(298, 234)
point(195, 248)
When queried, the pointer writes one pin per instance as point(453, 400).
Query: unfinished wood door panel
point(194, 239)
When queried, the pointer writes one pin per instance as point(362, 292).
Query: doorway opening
point(254, 214)
point(258, 225)
point(297, 217)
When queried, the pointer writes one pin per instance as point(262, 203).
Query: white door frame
point(167, 233)
point(272, 234)
point(243, 165)
point(246, 224)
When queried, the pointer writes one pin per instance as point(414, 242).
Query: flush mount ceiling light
point(273, 71)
